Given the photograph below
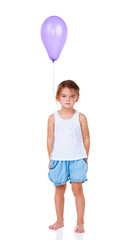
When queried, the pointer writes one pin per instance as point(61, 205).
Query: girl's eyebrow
point(65, 94)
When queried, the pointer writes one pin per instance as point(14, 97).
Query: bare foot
point(79, 228)
point(56, 225)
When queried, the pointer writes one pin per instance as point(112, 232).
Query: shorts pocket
point(85, 160)
point(53, 164)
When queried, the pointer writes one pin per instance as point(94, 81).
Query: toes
point(50, 227)
point(55, 228)
point(78, 230)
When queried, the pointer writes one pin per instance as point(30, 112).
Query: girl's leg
point(80, 205)
point(59, 205)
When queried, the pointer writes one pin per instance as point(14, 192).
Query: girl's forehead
point(67, 91)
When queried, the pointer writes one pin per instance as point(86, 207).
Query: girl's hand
point(49, 164)
point(86, 161)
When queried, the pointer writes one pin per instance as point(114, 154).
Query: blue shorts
point(62, 171)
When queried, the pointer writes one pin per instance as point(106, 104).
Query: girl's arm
point(85, 133)
point(50, 134)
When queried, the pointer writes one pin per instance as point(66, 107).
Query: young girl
point(68, 144)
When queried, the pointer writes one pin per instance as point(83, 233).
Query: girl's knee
point(61, 189)
point(77, 189)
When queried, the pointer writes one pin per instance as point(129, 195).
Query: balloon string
point(53, 88)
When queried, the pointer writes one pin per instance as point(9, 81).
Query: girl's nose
point(68, 99)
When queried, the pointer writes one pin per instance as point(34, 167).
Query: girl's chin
point(67, 106)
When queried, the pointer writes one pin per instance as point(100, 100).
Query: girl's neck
point(67, 110)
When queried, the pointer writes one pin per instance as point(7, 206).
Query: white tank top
point(68, 142)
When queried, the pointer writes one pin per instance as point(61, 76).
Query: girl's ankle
point(80, 221)
point(61, 220)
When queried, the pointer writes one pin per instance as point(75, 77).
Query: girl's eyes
point(71, 96)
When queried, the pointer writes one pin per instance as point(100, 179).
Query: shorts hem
point(57, 184)
point(78, 180)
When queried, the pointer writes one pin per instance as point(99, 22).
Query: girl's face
point(68, 97)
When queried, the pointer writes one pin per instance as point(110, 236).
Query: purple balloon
point(53, 35)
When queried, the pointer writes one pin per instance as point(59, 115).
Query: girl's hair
point(69, 84)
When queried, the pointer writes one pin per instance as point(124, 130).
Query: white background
point(97, 56)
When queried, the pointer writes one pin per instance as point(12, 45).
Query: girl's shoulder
point(82, 117)
point(51, 118)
